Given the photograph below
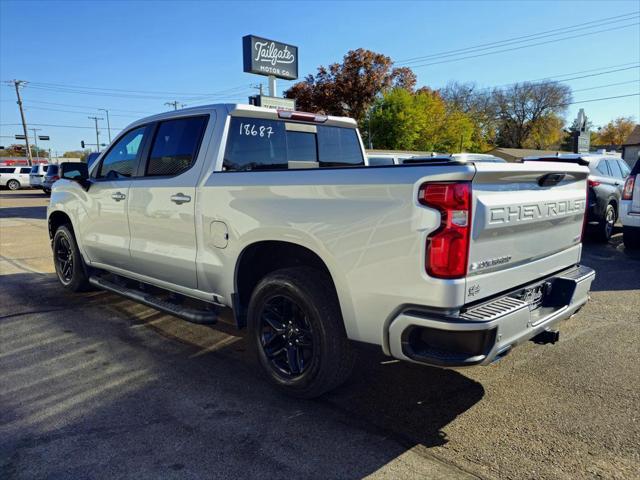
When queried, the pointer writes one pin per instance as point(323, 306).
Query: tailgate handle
point(551, 179)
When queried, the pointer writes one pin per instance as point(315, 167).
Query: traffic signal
point(82, 143)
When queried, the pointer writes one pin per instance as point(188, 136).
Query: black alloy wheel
point(64, 259)
point(70, 267)
point(286, 336)
point(297, 332)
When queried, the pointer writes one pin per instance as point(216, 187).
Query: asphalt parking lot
point(95, 386)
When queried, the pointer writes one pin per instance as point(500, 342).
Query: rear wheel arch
point(260, 259)
point(56, 220)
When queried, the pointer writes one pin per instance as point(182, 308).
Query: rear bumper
point(481, 334)
point(628, 217)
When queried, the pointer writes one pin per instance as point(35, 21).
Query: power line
point(31, 107)
point(120, 128)
point(521, 39)
point(608, 85)
point(524, 46)
point(150, 92)
point(598, 99)
point(55, 126)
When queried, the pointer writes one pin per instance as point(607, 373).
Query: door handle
point(180, 198)
point(118, 196)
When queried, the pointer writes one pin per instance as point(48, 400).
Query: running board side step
point(201, 317)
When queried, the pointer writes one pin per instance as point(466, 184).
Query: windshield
point(52, 170)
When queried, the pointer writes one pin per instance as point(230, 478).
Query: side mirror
point(78, 172)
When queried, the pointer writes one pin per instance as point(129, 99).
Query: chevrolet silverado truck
point(278, 216)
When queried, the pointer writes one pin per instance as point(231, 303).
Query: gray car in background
point(607, 174)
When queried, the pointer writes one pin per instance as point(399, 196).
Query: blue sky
point(187, 48)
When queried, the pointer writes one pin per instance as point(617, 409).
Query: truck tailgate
point(527, 221)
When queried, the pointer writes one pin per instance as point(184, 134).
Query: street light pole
point(95, 119)
point(18, 84)
point(35, 139)
point(108, 124)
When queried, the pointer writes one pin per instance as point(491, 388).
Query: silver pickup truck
point(278, 216)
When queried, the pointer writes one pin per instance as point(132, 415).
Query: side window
point(614, 166)
point(121, 161)
point(603, 169)
point(25, 170)
point(625, 168)
point(255, 144)
point(175, 146)
point(6, 170)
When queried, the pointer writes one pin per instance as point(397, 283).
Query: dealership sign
point(267, 57)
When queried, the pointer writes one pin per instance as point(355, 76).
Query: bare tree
point(522, 107)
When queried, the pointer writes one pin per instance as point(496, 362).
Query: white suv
point(37, 175)
point(14, 178)
point(630, 209)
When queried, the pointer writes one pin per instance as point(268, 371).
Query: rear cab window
point(265, 144)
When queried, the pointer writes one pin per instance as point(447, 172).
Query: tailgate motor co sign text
point(267, 57)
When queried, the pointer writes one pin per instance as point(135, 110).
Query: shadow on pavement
point(39, 213)
point(33, 194)
point(88, 389)
point(602, 256)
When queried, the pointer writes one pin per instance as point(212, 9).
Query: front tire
point(13, 185)
point(631, 237)
point(68, 261)
point(297, 333)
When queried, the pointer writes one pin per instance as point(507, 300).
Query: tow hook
point(546, 336)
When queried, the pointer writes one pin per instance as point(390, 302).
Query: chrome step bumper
point(480, 334)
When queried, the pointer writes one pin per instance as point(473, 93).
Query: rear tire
point(297, 332)
point(68, 261)
point(605, 227)
point(13, 185)
point(631, 237)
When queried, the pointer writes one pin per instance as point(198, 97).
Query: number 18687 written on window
point(252, 130)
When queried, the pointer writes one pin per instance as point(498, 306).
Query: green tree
point(402, 120)
point(615, 132)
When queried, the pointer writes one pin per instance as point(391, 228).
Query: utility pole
point(175, 104)
point(95, 119)
point(108, 124)
point(35, 138)
point(18, 84)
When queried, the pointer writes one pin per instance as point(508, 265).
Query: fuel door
point(219, 234)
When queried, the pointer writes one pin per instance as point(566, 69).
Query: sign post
point(271, 59)
point(581, 135)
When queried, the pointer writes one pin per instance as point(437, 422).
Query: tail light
point(627, 192)
point(448, 247)
point(593, 183)
point(55, 178)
